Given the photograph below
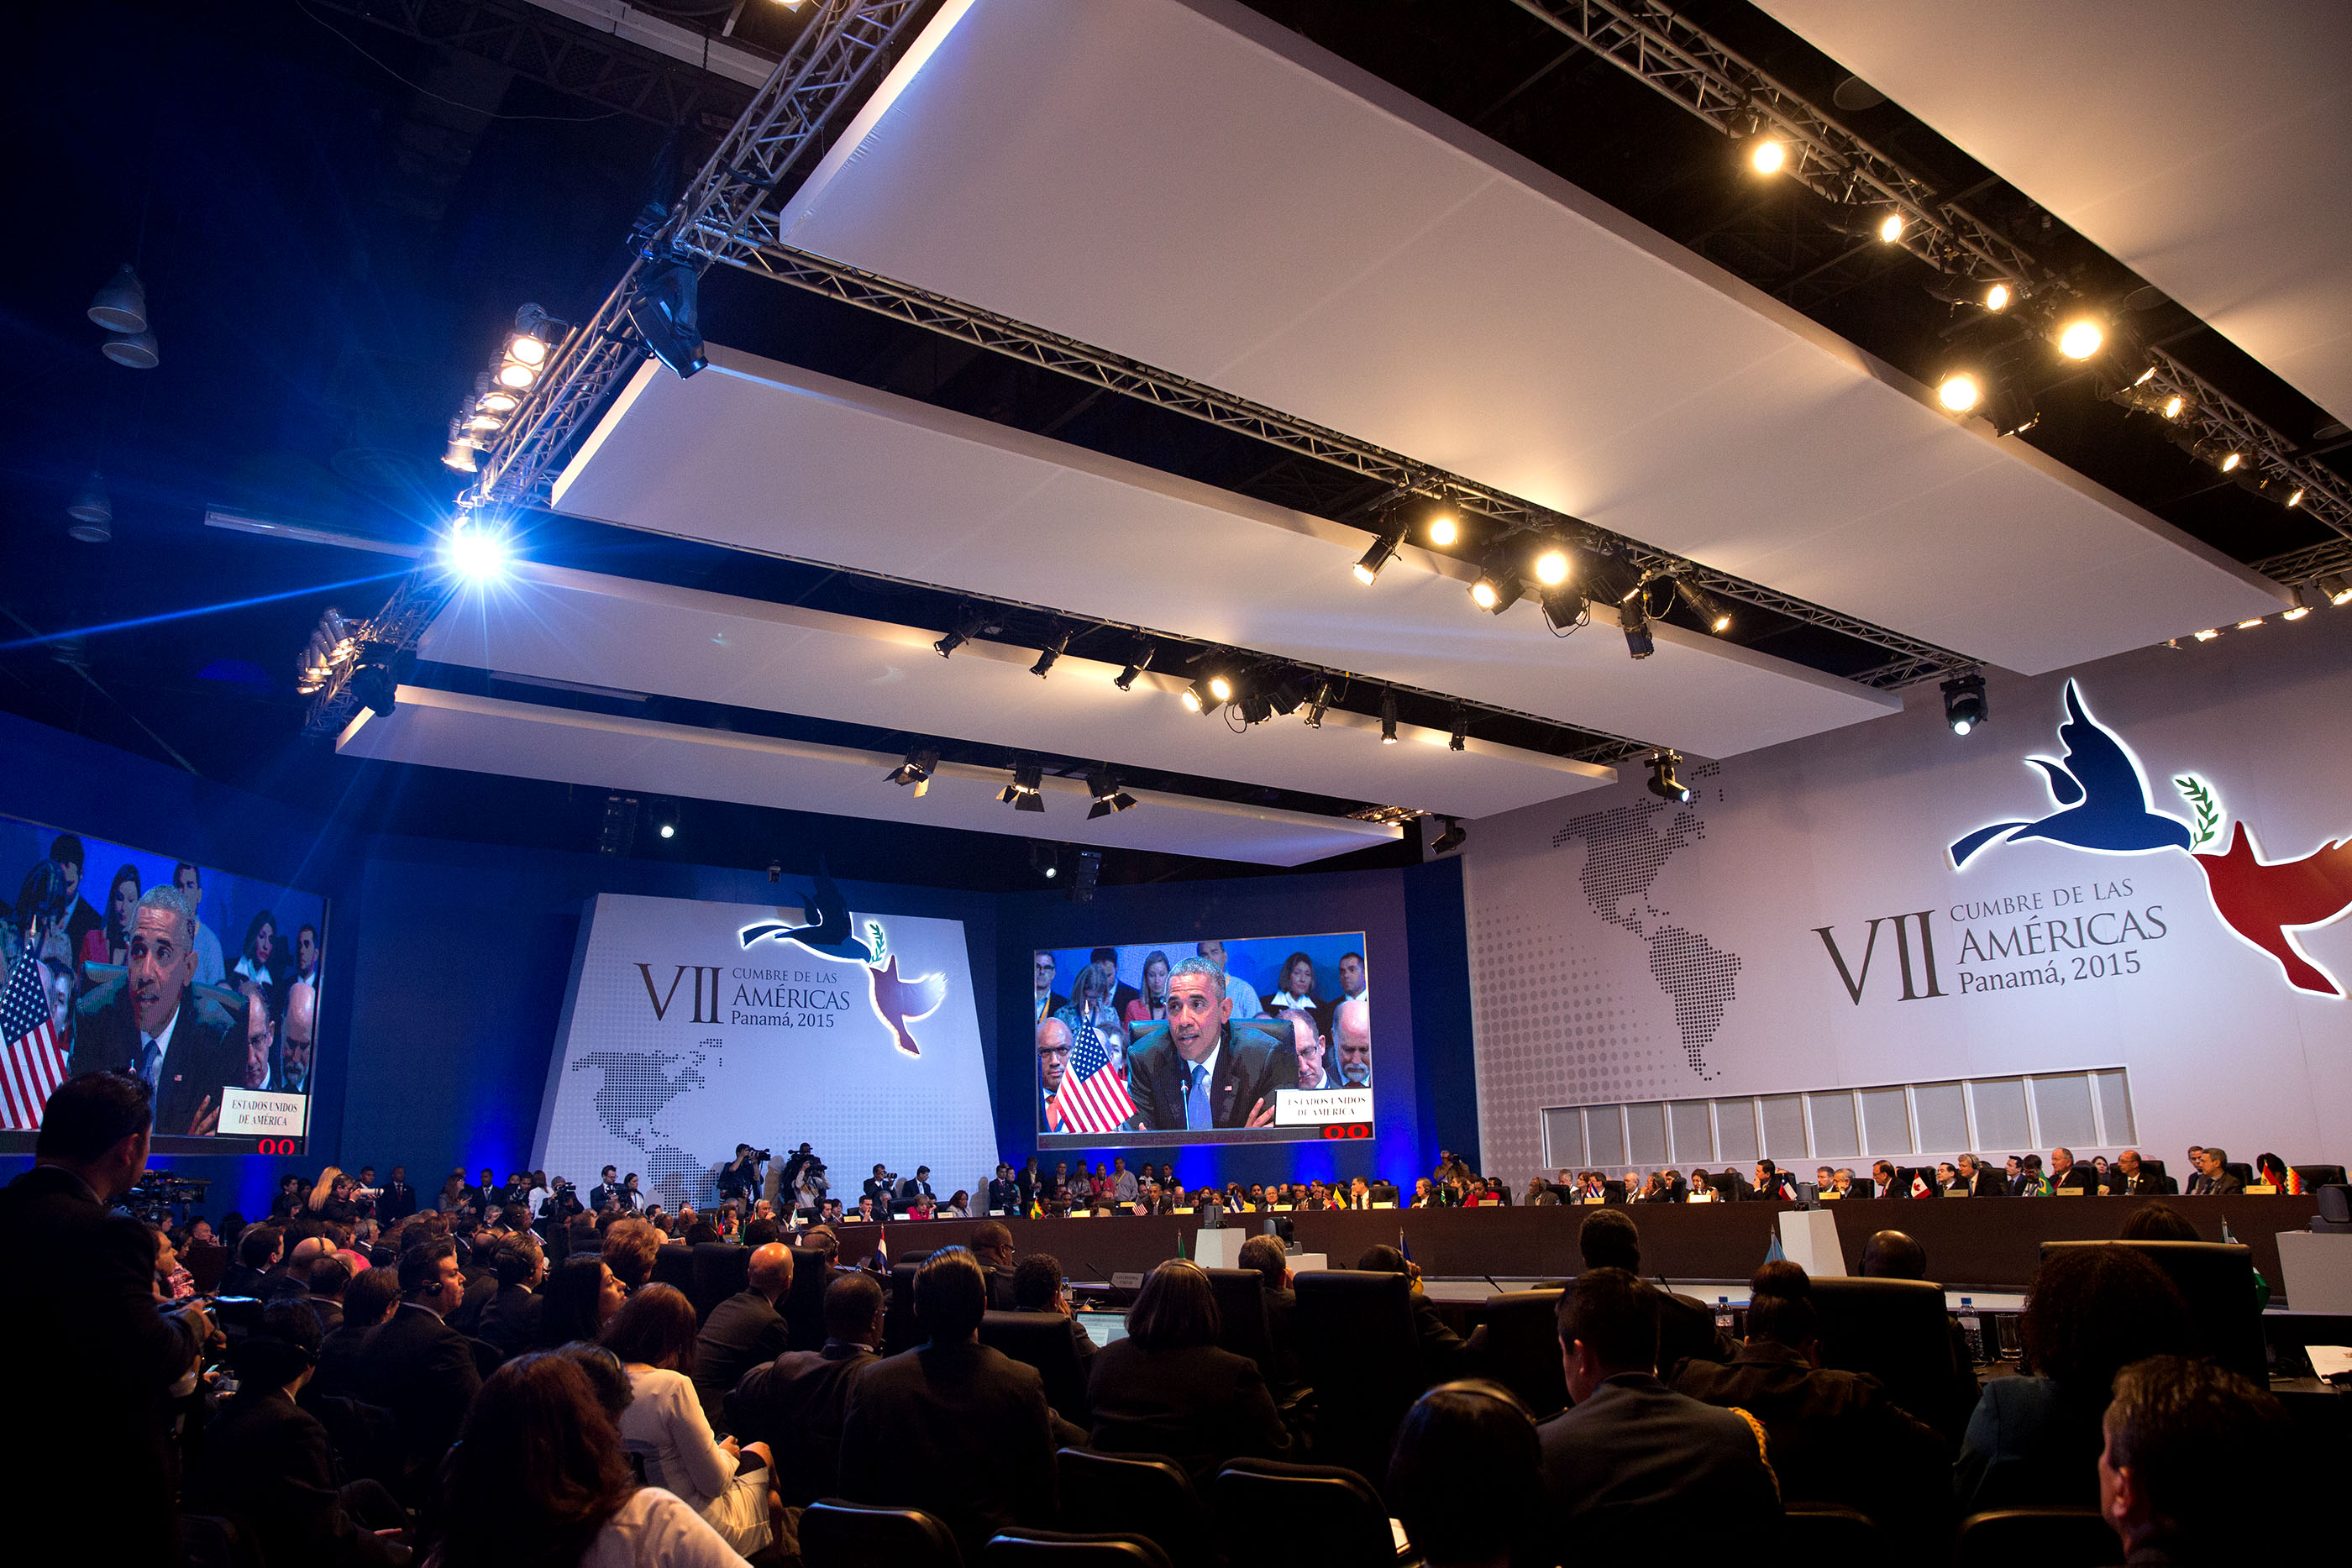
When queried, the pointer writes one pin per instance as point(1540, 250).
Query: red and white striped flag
point(32, 1063)
point(1093, 1097)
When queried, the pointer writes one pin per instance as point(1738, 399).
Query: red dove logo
point(2265, 902)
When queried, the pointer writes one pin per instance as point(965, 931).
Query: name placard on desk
point(1317, 1107)
point(257, 1114)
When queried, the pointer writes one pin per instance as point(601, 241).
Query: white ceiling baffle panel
point(2207, 148)
point(558, 624)
point(766, 456)
point(1184, 181)
point(523, 740)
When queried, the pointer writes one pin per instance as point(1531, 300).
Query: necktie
point(150, 1063)
point(1196, 1097)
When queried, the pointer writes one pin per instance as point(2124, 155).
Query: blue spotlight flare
point(477, 554)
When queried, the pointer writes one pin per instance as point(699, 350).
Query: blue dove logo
point(2101, 793)
point(828, 934)
point(899, 1001)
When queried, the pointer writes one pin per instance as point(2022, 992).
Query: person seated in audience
point(1824, 1180)
point(2034, 1439)
point(795, 1404)
point(581, 1297)
point(957, 1206)
point(2037, 1184)
point(1443, 1354)
point(1266, 1255)
point(1881, 1180)
point(1037, 1287)
point(1672, 1187)
point(541, 1478)
point(325, 1279)
point(1424, 1195)
point(2066, 1176)
point(1596, 1188)
point(258, 1252)
point(990, 1244)
point(268, 1462)
point(509, 1321)
point(2099, 1166)
point(367, 1301)
point(742, 1332)
point(2189, 1467)
point(1773, 1183)
point(653, 1335)
point(2131, 1178)
point(2212, 1178)
point(418, 1367)
point(1167, 1389)
point(1948, 1181)
point(629, 1248)
point(1633, 1469)
point(1896, 1255)
point(1845, 1183)
point(866, 1214)
point(1465, 1475)
point(2157, 1222)
point(2271, 1171)
point(1832, 1436)
point(1610, 1239)
point(952, 1427)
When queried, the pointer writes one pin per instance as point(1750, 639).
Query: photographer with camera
point(98, 1357)
point(743, 1178)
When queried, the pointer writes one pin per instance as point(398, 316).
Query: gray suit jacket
point(1258, 1057)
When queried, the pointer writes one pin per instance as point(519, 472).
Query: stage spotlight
point(1045, 860)
point(1445, 529)
point(1135, 667)
point(1024, 793)
point(1283, 695)
point(2302, 606)
point(666, 314)
point(1368, 570)
point(1108, 798)
point(1552, 567)
point(137, 351)
point(2338, 592)
point(90, 516)
point(1959, 392)
point(1704, 605)
point(1221, 686)
point(2010, 410)
point(2231, 461)
point(921, 762)
point(2080, 338)
point(1768, 156)
point(1450, 838)
point(2208, 634)
point(475, 553)
point(2278, 488)
point(121, 305)
point(1460, 740)
point(967, 624)
point(372, 681)
point(1388, 718)
point(1890, 228)
point(1565, 609)
point(1499, 583)
point(1965, 706)
point(495, 400)
point(1255, 707)
point(460, 454)
point(527, 348)
point(1051, 651)
point(1997, 298)
point(1663, 783)
point(1201, 696)
point(2250, 625)
point(1318, 704)
point(1640, 641)
point(516, 375)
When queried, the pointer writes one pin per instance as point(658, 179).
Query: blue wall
point(448, 962)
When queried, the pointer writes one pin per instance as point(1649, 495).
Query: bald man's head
point(772, 1269)
point(1351, 1032)
point(310, 1247)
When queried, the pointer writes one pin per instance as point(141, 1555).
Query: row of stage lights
point(498, 391)
point(2333, 588)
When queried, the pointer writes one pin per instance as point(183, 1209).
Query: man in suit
point(1046, 1000)
point(1982, 1180)
point(258, 1252)
point(367, 1301)
point(917, 1186)
point(743, 1331)
point(1313, 1071)
point(2131, 1178)
point(1351, 1035)
point(2066, 1176)
point(150, 1021)
point(1265, 1254)
point(952, 1427)
point(1204, 1068)
point(1608, 1239)
point(991, 1248)
point(795, 1404)
point(1037, 1288)
point(417, 1367)
point(96, 1360)
point(1003, 1192)
point(1881, 1180)
point(326, 1275)
point(878, 1186)
point(607, 1190)
point(1897, 1255)
point(1834, 1436)
point(1121, 993)
point(2213, 1179)
point(399, 1199)
point(1634, 1468)
point(511, 1319)
point(268, 1461)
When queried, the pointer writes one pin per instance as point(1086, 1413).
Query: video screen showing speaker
point(1135, 1045)
point(204, 982)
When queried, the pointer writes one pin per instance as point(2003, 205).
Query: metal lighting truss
point(1661, 49)
point(398, 627)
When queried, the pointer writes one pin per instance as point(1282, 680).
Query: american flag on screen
point(32, 1063)
point(1094, 1097)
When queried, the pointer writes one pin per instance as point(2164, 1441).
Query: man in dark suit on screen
point(152, 1023)
point(1204, 1068)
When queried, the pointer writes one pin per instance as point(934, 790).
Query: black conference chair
point(2314, 1177)
point(2242, 1171)
point(1241, 1317)
point(1278, 1515)
point(2216, 1280)
point(1523, 1348)
point(1138, 1494)
point(2045, 1537)
point(836, 1534)
point(674, 1265)
point(1899, 1331)
point(898, 1330)
point(1359, 1351)
point(720, 1270)
point(218, 1540)
point(1829, 1532)
point(2335, 1216)
point(1041, 1339)
point(803, 1304)
point(1059, 1549)
point(2165, 1186)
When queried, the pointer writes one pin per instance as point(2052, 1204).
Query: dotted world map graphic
point(634, 1088)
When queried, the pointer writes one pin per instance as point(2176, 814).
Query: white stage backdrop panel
point(2106, 917)
point(692, 1027)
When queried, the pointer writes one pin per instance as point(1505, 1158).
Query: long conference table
point(1986, 1244)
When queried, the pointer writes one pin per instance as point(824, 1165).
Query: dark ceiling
point(334, 219)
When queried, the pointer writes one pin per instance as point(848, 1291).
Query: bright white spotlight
point(1221, 688)
point(2208, 634)
point(1551, 568)
point(2081, 338)
point(2175, 406)
point(2230, 463)
point(530, 351)
point(1767, 156)
point(1997, 298)
point(476, 555)
point(1959, 392)
point(516, 375)
point(1483, 594)
point(1890, 228)
point(499, 401)
point(1444, 530)
point(2250, 625)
